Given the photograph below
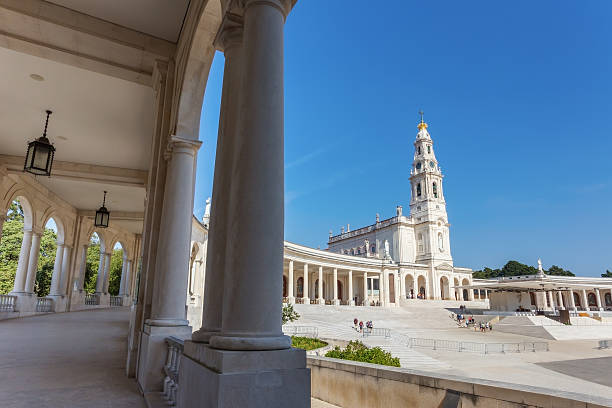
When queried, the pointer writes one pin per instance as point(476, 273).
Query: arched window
point(419, 150)
point(419, 190)
point(577, 301)
point(608, 299)
point(592, 299)
point(300, 287)
point(435, 189)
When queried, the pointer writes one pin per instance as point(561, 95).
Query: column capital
point(178, 144)
point(284, 6)
point(230, 32)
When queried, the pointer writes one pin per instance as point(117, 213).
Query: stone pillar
point(320, 298)
point(335, 282)
point(122, 282)
point(396, 288)
point(129, 278)
point(551, 299)
point(83, 267)
point(486, 294)
point(351, 301)
point(402, 283)
point(306, 299)
point(230, 40)
point(366, 298)
point(383, 288)
point(107, 264)
point(100, 278)
point(251, 363)
point(33, 262)
point(65, 270)
point(598, 297)
point(560, 300)
point(572, 302)
point(584, 299)
point(471, 294)
point(291, 295)
point(22, 265)
point(168, 314)
point(56, 278)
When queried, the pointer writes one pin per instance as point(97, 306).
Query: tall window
point(420, 244)
point(428, 149)
point(435, 189)
point(300, 287)
point(419, 190)
point(419, 150)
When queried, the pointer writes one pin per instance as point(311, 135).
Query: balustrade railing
point(7, 303)
point(116, 301)
point(376, 332)
point(44, 304)
point(307, 331)
point(92, 299)
point(474, 347)
point(171, 369)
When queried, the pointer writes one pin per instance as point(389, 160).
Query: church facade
point(418, 240)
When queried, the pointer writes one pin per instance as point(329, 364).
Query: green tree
point(91, 267)
point(608, 274)
point(46, 262)
point(115, 272)
point(515, 268)
point(289, 314)
point(10, 246)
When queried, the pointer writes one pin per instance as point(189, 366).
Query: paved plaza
point(570, 366)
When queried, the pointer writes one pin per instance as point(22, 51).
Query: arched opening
point(284, 286)
point(10, 247)
point(577, 301)
point(50, 261)
point(532, 298)
point(92, 263)
point(444, 288)
point(456, 282)
point(466, 294)
point(339, 284)
point(422, 287)
point(316, 289)
point(116, 269)
point(608, 299)
point(419, 190)
point(592, 299)
point(409, 284)
point(300, 287)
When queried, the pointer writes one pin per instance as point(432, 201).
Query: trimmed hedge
point(357, 351)
point(307, 343)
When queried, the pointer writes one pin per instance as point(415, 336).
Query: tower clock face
point(418, 166)
point(432, 164)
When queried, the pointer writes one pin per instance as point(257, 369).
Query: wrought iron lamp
point(39, 157)
point(102, 215)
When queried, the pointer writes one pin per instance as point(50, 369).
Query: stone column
point(486, 294)
point(251, 363)
point(320, 299)
point(551, 299)
point(33, 262)
point(56, 278)
point(471, 294)
point(100, 278)
point(383, 286)
point(560, 300)
point(83, 267)
point(65, 270)
point(122, 282)
point(402, 283)
point(366, 298)
point(230, 40)
point(351, 301)
point(291, 296)
point(107, 264)
point(22, 265)
point(306, 299)
point(128, 278)
point(598, 297)
point(572, 302)
point(335, 282)
point(396, 288)
point(585, 300)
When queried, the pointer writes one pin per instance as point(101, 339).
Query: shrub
point(307, 343)
point(289, 315)
point(357, 351)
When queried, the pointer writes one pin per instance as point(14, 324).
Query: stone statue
point(206, 218)
point(366, 243)
point(387, 253)
point(540, 270)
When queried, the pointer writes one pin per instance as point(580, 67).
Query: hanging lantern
point(39, 157)
point(102, 215)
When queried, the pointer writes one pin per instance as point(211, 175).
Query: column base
point(153, 353)
point(25, 303)
point(336, 302)
point(59, 303)
point(320, 301)
point(352, 303)
point(211, 378)
point(104, 299)
point(291, 300)
point(306, 301)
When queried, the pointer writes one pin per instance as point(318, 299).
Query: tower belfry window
point(428, 149)
point(435, 190)
point(419, 150)
point(419, 190)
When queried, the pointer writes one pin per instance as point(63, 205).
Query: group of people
point(358, 325)
point(463, 321)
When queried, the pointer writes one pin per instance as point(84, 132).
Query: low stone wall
point(351, 384)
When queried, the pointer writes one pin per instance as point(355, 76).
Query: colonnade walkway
point(72, 359)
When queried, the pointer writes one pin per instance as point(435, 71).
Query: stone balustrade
point(116, 301)
point(171, 369)
point(92, 299)
point(7, 303)
point(44, 304)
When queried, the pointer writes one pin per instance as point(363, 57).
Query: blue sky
point(517, 96)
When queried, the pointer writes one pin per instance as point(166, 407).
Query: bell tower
point(427, 204)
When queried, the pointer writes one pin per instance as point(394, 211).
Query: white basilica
point(403, 257)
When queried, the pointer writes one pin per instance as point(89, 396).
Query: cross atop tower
point(422, 125)
point(421, 113)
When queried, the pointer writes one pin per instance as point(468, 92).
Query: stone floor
point(66, 360)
